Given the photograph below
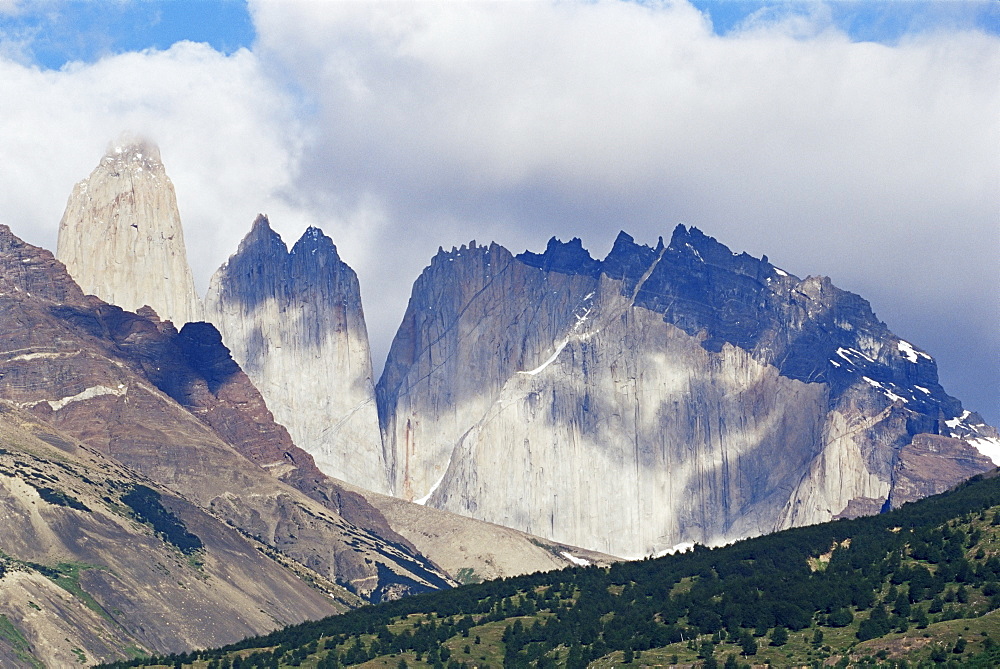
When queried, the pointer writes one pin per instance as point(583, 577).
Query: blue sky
point(865, 20)
point(857, 140)
point(59, 32)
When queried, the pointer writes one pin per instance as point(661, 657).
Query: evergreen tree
point(748, 645)
point(875, 625)
point(902, 605)
point(840, 618)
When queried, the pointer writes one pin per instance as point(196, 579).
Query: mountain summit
point(121, 239)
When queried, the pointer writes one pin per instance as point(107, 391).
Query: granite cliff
point(294, 323)
point(121, 238)
point(678, 393)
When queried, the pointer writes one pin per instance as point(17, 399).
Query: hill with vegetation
point(919, 586)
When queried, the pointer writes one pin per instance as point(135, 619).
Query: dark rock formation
point(674, 393)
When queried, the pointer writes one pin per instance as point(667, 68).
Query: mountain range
point(535, 411)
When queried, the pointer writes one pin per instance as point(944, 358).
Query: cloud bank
point(401, 127)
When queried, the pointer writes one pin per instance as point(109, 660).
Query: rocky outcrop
point(176, 409)
point(678, 393)
point(121, 239)
point(930, 463)
point(294, 323)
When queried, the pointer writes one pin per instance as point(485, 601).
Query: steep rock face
point(177, 409)
point(677, 393)
point(294, 323)
point(121, 239)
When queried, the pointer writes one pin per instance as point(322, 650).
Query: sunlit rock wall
point(121, 239)
point(294, 323)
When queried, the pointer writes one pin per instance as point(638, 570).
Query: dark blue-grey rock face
point(662, 395)
point(293, 321)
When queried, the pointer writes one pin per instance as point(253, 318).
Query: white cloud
point(224, 129)
point(399, 127)
point(873, 164)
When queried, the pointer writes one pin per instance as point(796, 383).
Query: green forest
point(915, 587)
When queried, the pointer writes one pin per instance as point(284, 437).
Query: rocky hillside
point(678, 393)
point(99, 563)
point(294, 323)
point(176, 409)
point(121, 237)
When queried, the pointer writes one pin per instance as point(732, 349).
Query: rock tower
point(121, 238)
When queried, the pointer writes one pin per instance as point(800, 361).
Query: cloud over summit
point(399, 127)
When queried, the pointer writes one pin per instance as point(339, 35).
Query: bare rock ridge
point(121, 238)
point(674, 393)
point(554, 393)
point(293, 321)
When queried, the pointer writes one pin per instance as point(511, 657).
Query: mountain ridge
point(559, 342)
point(679, 393)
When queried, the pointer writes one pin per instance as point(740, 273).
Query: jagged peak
point(472, 249)
point(624, 246)
point(628, 259)
point(624, 239)
point(261, 235)
point(684, 237)
point(260, 224)
point(313, 240)
point(679, 235)
point(565, 257)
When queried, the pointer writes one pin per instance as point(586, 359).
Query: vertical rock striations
point(121, 239)
point(294, 323)
point(663, 395)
